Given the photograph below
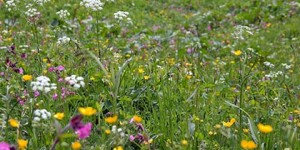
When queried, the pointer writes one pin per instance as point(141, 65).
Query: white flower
point(63, 14)
point(122, 15)
point(268, 64)
point(75, 81)
point(42, 84)
point(94, 5)
point(63, 40)
point(286, 66)
point(41, 2)
point(10, 4)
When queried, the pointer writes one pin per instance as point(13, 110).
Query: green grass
point(195, 84)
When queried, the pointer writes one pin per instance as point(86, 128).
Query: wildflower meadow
point(149, 74)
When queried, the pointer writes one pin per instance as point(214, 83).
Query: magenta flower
point(85, 131)
point(4, 146)
point(60, 68)
point(54, 96)
point(36, 93)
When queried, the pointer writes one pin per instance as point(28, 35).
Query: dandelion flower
point(14, 123)
point(248, 144)
point(141, 70)
point(76, 145)
point(230, 123)
point(237, 52)
point(22, 144)
point(27, 77)
point(59, 116)
point(264, 128)
point(146, 77)
point(87, 111)
point(111, 120)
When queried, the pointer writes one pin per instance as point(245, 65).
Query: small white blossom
point(75, 81)
point(122, 15)
point(268, 64)
point(286, 66)
point(63, 40)
point(41, 2)
point(63, 14)
point(42, 84)
point(95, 5)
point(10, 4)
point(41, 114)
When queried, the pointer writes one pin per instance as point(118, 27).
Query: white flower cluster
point(41, 2)
point(63, 40)
point(240, 31)
point(31, 12)
point(63, 14)
point(41, 114)
point(95, 5)
point(116, 130)
point(42, 84)
point(268, 64)
point(286, 66)
point(122, 15)
point(10, 4)
point(273, 74)
point(75, 81)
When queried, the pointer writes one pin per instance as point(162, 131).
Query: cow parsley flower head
point(41, 2)
point(63, 40)
point(63, 14)
point(122, 16)
point(10, 4)
point(94, 5)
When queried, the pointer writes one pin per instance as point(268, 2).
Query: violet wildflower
point(55, 96)
point(60, 68)
point(4, 146)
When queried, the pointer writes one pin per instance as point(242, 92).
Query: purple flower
point(51, 69)
point(131, 138)
point(36, 93)
point(76, 123)
point(4, 146)
point(85, 131)
point(23, 55)
point(60, 68)
point(54, 96)
point(140, 127)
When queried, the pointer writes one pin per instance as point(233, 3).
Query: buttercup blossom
point(111, 120)
point(230, 123)
point(264, 128)
point(87, 111)
point(59, 116)
point(76, 145)
point(27, 77)
point(22, 144)
point(14, 123)
point(248, 144)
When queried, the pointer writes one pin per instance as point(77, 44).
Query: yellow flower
point(87, 111)
point(230, 123)
point(188, 77)
point(246, 130)
point(137, 119)
point(27, 77)
point(14, 123)
point(76, 145)
point(59, 116)
point(248, 144)
point(45, 60)
point(141, 70)
point(217, 126)
point(107, 131)
point(118, 148)
point(184, 142)
point(111, 120)
point(22, 144)
point(237, 52)
point(146, 77)
point(264, 128)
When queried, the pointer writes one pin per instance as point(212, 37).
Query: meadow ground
point(149, 74)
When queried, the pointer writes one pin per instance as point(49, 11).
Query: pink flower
point(54, 96)
point(60, 68)
point(85, 131)
point(4, 146)
point(131, 138)
point(51, 69)
point(36, 93)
